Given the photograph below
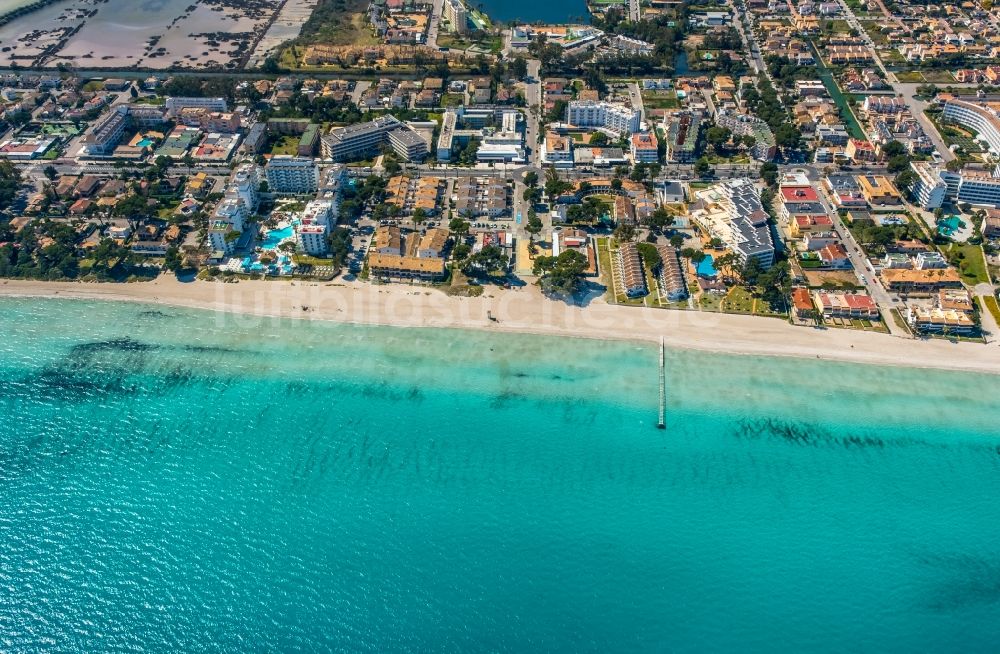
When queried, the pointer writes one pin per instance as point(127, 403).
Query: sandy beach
point(526, 311)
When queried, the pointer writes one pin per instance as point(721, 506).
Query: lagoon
point(294, 486)
point(127, 33)
point(522, 11)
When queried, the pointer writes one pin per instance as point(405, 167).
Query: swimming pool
point(949, 225)
point(706, 267)
point(276, 236)
point(144, 143)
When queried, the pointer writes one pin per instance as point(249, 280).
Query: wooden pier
point(662, 424)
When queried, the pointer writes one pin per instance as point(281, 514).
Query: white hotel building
point(292, 175)
point(314, 225)
point(246, 186)
point(980, 118)
point(934, 185)
point(928, 188)
point(174, 104)
point(618, 118)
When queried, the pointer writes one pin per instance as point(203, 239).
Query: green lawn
point(604, 262)
point(738, 300)
point(286, 145)
point(307, 260)
point(660, 100)
point(973, 265)
point(735, 159)
point(939, 76)
point(965, 143)
point(910, 76)
point(710, 302)
point(891, 58)
point(154, 100)
point(877, 37)
point(838, 26)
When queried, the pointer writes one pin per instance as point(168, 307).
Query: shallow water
point(533, 12)
point(180, 480)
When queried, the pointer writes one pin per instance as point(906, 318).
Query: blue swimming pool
point(949, 225)
point(276, 236)
point(706, 268)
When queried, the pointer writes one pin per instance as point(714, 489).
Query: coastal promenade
point(527, 311)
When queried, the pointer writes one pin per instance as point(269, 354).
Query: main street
point(635, 97)
point(434, 26)
point(745, 29)
point(634, 11)
point(533, 98)
point(855, 254)
point(908, 94)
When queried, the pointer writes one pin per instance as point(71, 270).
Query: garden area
point(660, 100)
point(970, 262)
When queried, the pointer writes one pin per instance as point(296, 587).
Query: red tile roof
point(799, 194)
point(833, 252)
point(801, 299)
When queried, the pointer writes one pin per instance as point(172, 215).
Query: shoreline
point(525, 311)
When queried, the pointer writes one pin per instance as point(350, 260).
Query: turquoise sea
point(175, 481)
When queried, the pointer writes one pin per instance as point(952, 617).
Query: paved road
point(359, 90)
point(745, 28)
point(108, 169)
point(634, 11)
point(908, 93)
point(991, 330)
point(533, 97)
point(863, 267)
point(635, 95)
point(435, 23)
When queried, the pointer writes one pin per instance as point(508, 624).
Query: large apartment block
point(982, 119)
point(175, 104)
point(618, 118)
point(246, 186)
point(645, 148)
point(292, 175)
point(682, 137)
point(106, 133)
point(364, 140)
point(764, 148)
point(314, 225)
point(456, 15)
point(934, 185)
point(749, 233)
point(928, 187)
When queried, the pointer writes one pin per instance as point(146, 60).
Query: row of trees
point(763, 102)
point(665, 31)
